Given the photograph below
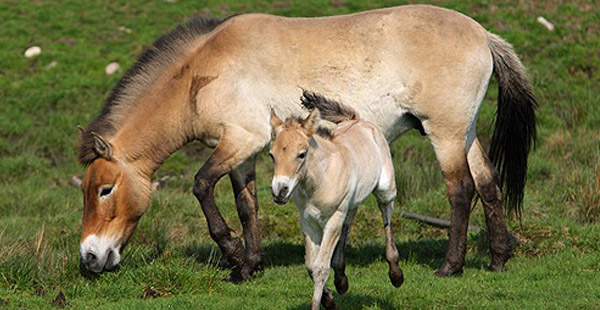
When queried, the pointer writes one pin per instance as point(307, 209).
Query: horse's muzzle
point(98, 254)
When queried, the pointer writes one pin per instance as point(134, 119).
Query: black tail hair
point(515, 129)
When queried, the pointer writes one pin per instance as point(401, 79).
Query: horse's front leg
point(234, 148)
point(243, 181)
point(322, 264)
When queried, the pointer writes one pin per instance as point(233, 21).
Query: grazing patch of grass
point(171, 261)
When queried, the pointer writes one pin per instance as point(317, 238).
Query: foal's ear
point(101, 146)
point(311, 123)
point(81, 130)
point(276, 123)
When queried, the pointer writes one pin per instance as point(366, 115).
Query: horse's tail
point(514, 132)
point(330, 110)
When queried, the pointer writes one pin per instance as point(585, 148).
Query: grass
point(173, 263)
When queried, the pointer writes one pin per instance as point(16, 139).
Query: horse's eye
point(105, 191)
point(302, 155)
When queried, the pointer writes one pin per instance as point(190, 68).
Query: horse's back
point(382, 62)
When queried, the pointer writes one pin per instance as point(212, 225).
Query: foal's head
point(289, 152)
point(114, 198)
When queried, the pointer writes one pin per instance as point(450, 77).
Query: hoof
point(240, 276)
point(341, 284)
point(328, 302)
point(448, 271)
point(397, 277)
point(498, 262)
point(496, 268)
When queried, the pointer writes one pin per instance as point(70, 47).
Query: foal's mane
point(296, 121)
point(154, 60)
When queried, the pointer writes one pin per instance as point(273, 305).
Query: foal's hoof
point(397, 277)
point(328, 302)
point(341, 284)
point(447, 271)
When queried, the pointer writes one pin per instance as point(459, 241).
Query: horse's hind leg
point(452, 156)
point(339, 255)
point(243, 181)
point(234, 148)
point(486, 183)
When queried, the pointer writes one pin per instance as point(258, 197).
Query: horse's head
point(115, 195)
point(289, 152)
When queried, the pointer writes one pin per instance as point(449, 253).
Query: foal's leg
point(322, 263)
point(339, 255)
point(243, 181)
point(235, 147)
point(312, 240)
point(486, 183)
point(452, 156)
point(391, 251)
point(385, 194)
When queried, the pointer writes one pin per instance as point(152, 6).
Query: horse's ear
point(311, 123)
point(276, 123)
point(101, 146)
point(81, 130)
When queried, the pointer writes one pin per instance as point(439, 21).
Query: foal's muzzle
point(281, 190)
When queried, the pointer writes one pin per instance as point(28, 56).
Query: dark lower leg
point(230, 246)
point(494, 219)
point(391, 251)
point(244, 188)
point(460, 193)
point(339, 262)
point(392, 257)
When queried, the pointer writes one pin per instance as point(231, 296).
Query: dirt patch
point(151, 292)
point(60, 300)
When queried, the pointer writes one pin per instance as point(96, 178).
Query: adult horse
point(216, 81)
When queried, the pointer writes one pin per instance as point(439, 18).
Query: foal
point(330, 175)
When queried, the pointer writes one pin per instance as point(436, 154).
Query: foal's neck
point(318, 160)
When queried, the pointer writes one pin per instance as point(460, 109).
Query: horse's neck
point(152, 132)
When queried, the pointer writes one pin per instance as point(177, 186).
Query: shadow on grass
point(429, 253)
point(354, 301)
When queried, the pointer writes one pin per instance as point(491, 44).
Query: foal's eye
point(105, 191)
point(302, 155)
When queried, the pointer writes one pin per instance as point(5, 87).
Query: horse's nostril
point(90, 258)
point(284, 191)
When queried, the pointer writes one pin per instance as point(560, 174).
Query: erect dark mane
point(321, 131)
point(151, 62)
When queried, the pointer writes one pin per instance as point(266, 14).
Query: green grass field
point(172, 262)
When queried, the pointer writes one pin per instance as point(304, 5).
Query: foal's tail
point(330, 110)
point(514, 132)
